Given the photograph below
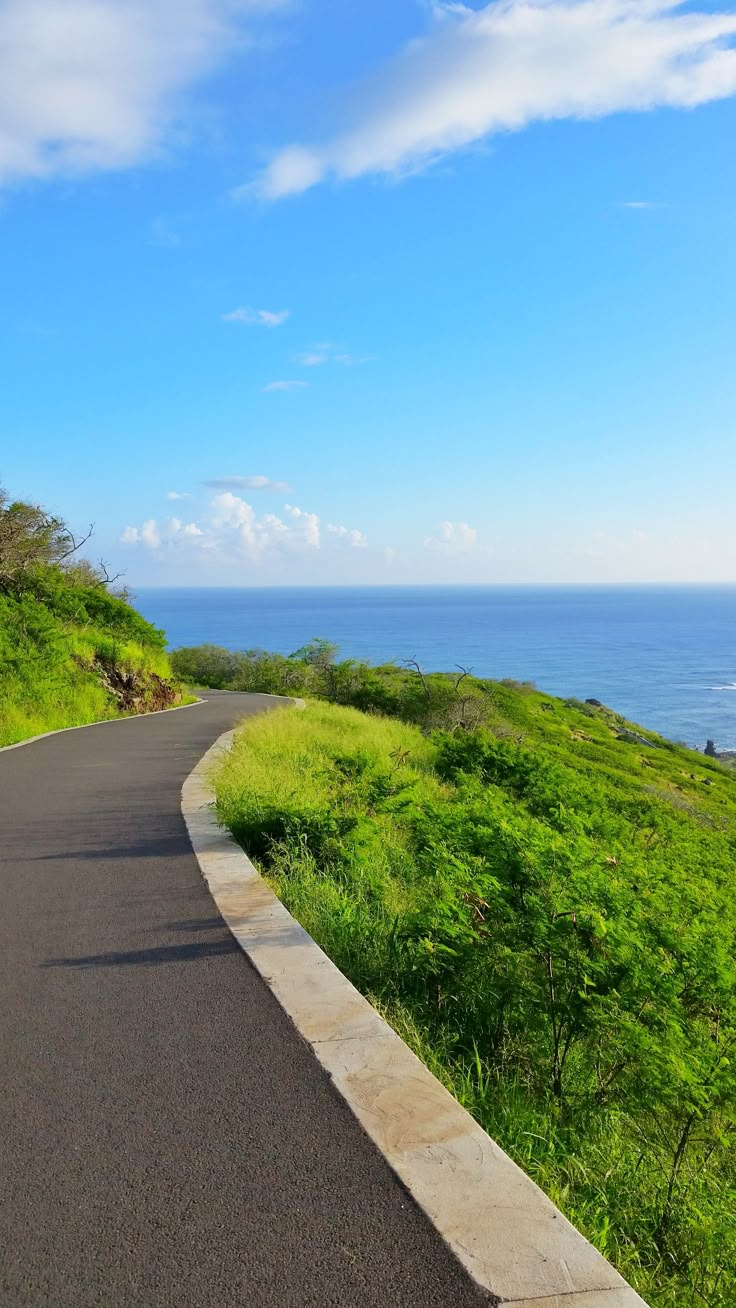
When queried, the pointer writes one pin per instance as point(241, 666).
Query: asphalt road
point(165, 1136)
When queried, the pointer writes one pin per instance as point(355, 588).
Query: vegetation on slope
point(71, 649)
point(539, 896)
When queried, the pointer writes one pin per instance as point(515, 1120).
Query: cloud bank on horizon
point(231, 530)
point(512, 63)
point(228, 533)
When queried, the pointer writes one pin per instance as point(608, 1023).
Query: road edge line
point(101, 722)
point(511, 1239)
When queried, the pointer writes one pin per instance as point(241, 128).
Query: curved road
point(165, 1136)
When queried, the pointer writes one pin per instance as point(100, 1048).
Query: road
point(165, 1136)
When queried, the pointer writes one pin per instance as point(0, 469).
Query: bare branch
point(104, 578)
point(75, 544)
point(412, 663)
point(464, 672)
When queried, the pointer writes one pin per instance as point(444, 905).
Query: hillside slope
point(540, 896)
point(71, 651)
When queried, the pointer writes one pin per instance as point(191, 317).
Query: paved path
point(165, 1137)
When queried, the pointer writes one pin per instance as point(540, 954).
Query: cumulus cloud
point(257, 317)
point(509, 63)
point(243, 529)
point(154, 537)
point(231, 531)
point(147, 535)
point(285, 386)
point(308, 524)
point(188, 531)
point(352, 536)
point(248, 483)
point(453, 538)
point(97, 84)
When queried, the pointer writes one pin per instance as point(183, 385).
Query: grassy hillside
point(540, 897)
point(71, 651)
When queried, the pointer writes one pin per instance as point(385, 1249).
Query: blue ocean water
point(663, 656)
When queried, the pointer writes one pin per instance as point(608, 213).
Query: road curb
point(101, 722)
point(501, 1227)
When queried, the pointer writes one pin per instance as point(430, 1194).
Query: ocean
point(663, 656)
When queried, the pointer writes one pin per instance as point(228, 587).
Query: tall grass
point(546, 914)
point(51, 668)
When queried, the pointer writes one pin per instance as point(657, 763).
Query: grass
point(543, 907)
point(63, 664)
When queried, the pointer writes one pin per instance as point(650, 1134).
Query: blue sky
point(390, 292)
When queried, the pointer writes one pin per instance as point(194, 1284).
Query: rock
point(710, 749)
point(595, 702)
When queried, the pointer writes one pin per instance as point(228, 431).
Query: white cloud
point(293, 170)
point(453, 538)
point(230, 532)
point(177, 495)
point(248, 483)
point(285, 386)
point(189, 530)
point(511, 63)
point(154, 537)
point(320, 354)
point(97, 84)
point(257, 317)
point(308, 523)
point(312, 359)
point(237, 528)
point(355, 538)
point(147, 535)
point(639, 204)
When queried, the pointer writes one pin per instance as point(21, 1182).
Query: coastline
point(659, 655)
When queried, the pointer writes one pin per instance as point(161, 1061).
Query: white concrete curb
point(498, 1223)
point(103, 722)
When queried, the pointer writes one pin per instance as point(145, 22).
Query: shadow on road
point(193, 924)
point(159, 847)
point(189, 953)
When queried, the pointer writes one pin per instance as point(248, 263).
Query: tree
point(319, 653)
point(31, 537)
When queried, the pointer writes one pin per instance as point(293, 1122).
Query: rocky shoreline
point(727, 756)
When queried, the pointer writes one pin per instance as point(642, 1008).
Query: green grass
point(65, 651)
point(545, 911)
